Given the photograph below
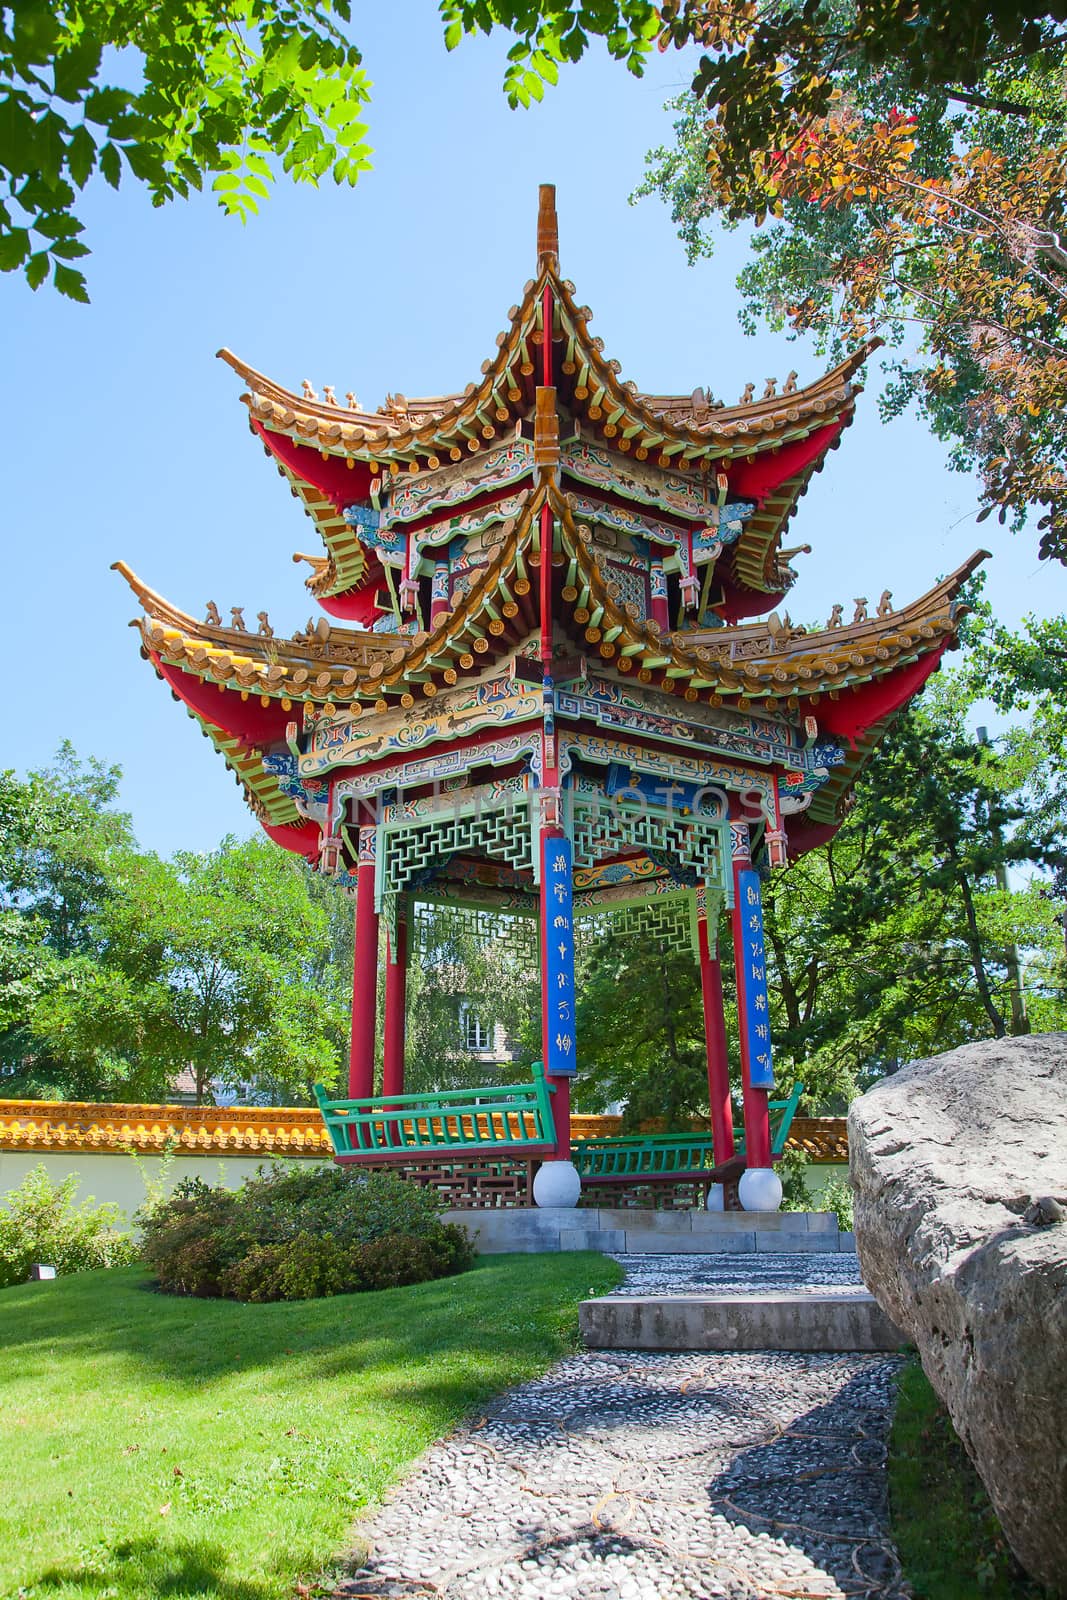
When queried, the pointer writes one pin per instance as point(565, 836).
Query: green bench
point(653, 1157)
point(508, 1119)
point(516, 1120)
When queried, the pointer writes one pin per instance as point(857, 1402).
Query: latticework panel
point(675, 1194)
point(602, 827)
point(409, 848)
point(469, 1183)
point(436, 929)
point(665, 920)
point(633, 586)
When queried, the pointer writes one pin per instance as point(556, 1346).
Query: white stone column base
point(556, 1183)
point(717, 1197)
point(760, 1189)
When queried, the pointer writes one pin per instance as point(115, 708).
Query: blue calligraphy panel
point(560, 1056)
point(752, 964)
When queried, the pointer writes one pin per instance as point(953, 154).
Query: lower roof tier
point(341, 712)
point(772, 664)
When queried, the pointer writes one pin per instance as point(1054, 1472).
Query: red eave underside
point(255, 726)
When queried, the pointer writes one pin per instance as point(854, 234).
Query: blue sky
point(123, 437)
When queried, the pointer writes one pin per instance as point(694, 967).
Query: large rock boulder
point(947, 1158)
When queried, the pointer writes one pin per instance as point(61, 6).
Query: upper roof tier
point(681, 428)
point(765, 447)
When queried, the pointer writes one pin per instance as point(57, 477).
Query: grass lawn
point(950, 1543)
point(160, 1447)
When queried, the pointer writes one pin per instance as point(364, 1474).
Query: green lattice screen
point(409, 845)
point(435, 925)
point(600, 827)
point(668, 920)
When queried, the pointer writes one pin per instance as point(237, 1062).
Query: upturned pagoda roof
point(769, 661)
point(776, 440)
point(251, 684)
point(255, 692)
point(681, 428)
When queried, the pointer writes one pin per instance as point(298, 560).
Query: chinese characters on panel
point(755, 1010)
point(559, 957)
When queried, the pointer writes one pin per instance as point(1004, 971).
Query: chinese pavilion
point(549, 686)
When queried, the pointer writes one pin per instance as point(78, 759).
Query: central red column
point(561, 1116)
point(756, 1113)
point(558, 1046)
point(396, 976)
point(364, 975)
point(722, 1111)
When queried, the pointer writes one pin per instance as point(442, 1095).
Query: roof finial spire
point(547, 227)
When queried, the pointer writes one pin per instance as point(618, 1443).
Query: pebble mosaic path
point(684, 1275)
point(630, 1476)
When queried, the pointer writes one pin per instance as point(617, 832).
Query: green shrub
point(791, 1166)
point(189, 1240)
point(282, 1202)
point(305, 1268)
point(398, 1259)
point(299, 1235)
point(837, 1197)
point(39, 1222)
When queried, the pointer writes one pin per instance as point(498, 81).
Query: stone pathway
point(683, 1275)
point(629, 1476)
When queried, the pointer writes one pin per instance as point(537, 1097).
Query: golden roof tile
point(767, 661)
point(822, 1139)
point(683, 429)
point(70, 1126)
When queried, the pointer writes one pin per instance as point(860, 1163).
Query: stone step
point(759, 1321)
point(645, 1232)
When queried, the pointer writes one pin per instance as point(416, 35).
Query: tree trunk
point(974, 946)
point(668, 1014)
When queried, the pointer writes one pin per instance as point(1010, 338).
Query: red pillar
point(364, 975)
point(561, 1116)
point(396, 977)
point(558, 1004)
point(660, 611)
point(722, 1113)
point(756, 1115)
point(438, 592)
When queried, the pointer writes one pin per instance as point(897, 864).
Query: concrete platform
point(757, 1321)
point(640, 1232)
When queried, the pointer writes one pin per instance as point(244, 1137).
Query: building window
point(476, 1035)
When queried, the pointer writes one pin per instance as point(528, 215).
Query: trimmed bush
point(837, 1196)
point(298, 1235)
point(398, 1259)
point(304, 1268)
point(39, 1222)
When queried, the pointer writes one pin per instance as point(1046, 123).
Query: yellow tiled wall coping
point(63, 1125)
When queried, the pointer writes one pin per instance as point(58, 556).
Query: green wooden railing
point(673, 1155)
point(504, 1119)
